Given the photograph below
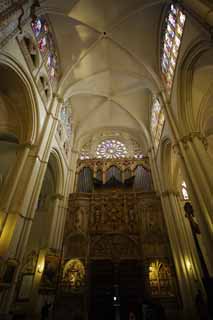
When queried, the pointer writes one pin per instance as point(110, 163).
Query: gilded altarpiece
point(118, 225)
point(121, 230)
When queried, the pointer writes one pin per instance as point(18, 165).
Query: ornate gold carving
point(73, 275)
point(120, 226)
point(122, 164)
point(160, 279)
point(115, 246)
point(113, 212)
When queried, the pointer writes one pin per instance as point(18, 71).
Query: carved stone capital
point(192, 135)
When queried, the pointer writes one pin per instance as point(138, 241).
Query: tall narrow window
point(46, 45)
point(173, 31)
point(184, 191)
point(66, 117)
point(157, 121)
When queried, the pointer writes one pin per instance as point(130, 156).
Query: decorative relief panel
point(121, 226)
point(114, 246)
point(122, 164)
point(75, 246)
point(113, 212)
point(77, 217)
point(152, 223)
point(161, 280)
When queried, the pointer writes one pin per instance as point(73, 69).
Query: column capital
point(189, 138)
point(192, 135)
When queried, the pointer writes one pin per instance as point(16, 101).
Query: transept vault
point(106, 159)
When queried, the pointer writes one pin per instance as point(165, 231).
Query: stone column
point(153, 168)
point(179, 253)
point(189, 242)
point(21, 197)
point(200, 191)
point(56, 217)
point(19, 219)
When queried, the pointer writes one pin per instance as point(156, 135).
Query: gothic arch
point(58, 167)
point(186, 112)
point(75, 245)
point(108, 246)
point(20, 101)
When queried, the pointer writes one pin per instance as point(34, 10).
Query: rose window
point(111, 149)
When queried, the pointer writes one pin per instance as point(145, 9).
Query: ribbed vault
point(109, 64)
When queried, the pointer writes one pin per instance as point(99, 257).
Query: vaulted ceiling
point(109, 59)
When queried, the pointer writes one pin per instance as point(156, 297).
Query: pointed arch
point(21, 93)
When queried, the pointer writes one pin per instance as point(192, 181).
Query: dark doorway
point(116, 290)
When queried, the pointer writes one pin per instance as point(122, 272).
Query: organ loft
point(106, 159)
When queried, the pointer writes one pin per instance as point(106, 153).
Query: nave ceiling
point(109, 61)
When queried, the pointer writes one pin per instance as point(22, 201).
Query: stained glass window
point(111, 149)
point(46, 45)
point(39, 26)
point(184, 191)
point(42, 44)
point(66, 118)
point(174, 26)
point(157, 121)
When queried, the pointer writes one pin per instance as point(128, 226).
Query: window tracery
point(46, 45)
point(157, 121)
point(111, 149)
point(98, 146)
point(173, 32)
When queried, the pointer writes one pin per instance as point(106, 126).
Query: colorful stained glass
point(37, 26)
point(46, 44)
point(174, 25)
point(157, 121)
point(42, 44)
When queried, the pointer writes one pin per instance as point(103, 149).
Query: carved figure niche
point(160, 279)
